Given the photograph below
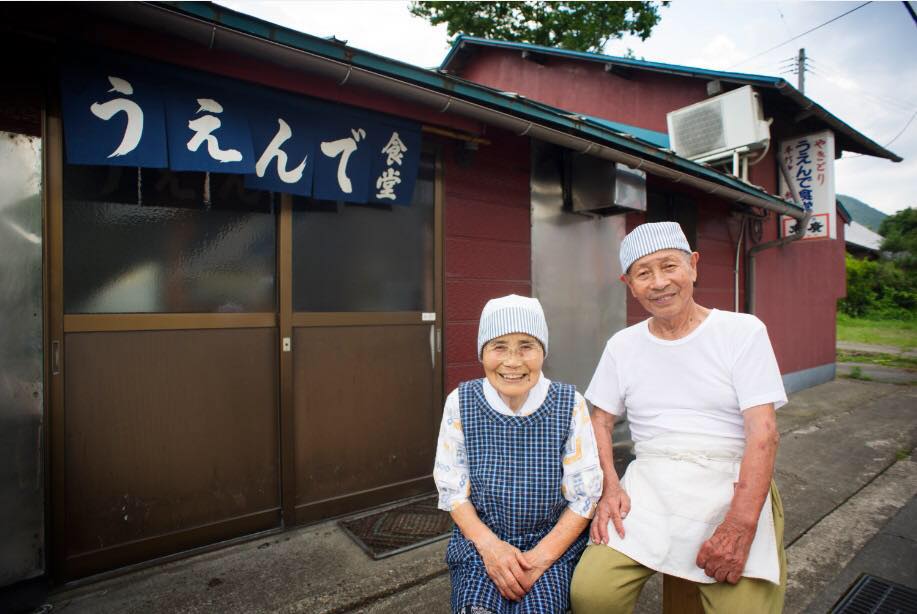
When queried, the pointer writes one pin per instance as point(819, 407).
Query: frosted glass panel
point(349, 257)
point(166, 242)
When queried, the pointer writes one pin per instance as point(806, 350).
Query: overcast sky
point(864, 65)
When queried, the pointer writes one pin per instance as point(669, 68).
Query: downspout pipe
point(801, 225)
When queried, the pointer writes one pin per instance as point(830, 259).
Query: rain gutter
point(219, 28)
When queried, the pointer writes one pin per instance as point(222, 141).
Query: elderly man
point(700, 388)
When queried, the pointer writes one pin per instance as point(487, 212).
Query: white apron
point(680, 488)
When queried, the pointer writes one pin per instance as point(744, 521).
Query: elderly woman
point(699, 387)
point(517, 467)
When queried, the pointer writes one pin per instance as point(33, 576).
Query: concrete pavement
point(845, 469)
point(874, 372)
point(871, 348)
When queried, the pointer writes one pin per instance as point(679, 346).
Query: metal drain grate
point(872, 595)
point(400, 528)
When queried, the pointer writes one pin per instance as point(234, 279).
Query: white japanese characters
point(134, 128)
point(386, 182)
point(203, 128)
point(395, 150)
point(273, 151)
point(137, 115)
point(344, 148)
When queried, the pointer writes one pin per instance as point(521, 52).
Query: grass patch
point(884, 360)
point(897, 333)
point(857, 373)
point(902, 454)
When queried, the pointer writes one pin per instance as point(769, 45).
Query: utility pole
point(801, 70)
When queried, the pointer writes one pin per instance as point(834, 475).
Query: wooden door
point(164, 366)
point(366, 350)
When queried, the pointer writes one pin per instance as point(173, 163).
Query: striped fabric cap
point(512, 314)
point(648, 238)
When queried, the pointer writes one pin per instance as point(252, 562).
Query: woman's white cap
point(512, 314)
point(648, 238)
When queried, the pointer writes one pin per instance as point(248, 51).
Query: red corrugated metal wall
point(635, 98)
point(488, 241)
point(798, 286)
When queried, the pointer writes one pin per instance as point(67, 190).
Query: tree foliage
point(900, 232)
point(579, 26)
point(879, 289)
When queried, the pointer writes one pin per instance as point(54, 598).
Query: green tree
point(579, 26)
point(879, 289)
point(900, 232)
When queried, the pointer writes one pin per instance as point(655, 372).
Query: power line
point(895, 138)
point(783, 19)
point(799, 36)
point(910, 10)
point(828, 70)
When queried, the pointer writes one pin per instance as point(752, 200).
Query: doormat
point(877, 596)
point(407, 526)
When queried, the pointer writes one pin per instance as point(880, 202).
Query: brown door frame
point(285, 331)
point(54, 307)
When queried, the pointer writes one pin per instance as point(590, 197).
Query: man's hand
point(538, 565)
point(507, 567)
point(614, 505)
point(723, 556)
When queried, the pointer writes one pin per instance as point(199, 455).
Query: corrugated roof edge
point(842, 209)
point(455, 86)
point(779, 84)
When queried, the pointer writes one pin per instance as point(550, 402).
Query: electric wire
point(827, 70)
point(894, 138)
point(799, 35)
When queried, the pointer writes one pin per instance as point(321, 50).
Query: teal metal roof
point(464, 39)
point(599, 131)
point(856, 141)
point(839, 203)
point(659, 139)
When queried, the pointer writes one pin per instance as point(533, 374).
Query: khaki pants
point(606, 582)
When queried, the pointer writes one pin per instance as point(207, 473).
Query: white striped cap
point(512, 314)
point(648, 238)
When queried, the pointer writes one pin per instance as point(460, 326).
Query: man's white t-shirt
point(699, 384)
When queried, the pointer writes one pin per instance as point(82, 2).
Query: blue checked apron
point(515, 464)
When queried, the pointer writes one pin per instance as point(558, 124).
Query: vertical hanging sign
point(809, 163)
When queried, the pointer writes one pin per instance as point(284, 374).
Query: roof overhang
point(218, 28)
point(850, 138)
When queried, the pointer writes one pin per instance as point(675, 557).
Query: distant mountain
point(861, 212)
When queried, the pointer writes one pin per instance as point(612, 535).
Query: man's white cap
point(512, 314)
point(648, 238)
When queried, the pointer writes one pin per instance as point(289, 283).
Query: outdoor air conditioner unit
point(715, 128)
